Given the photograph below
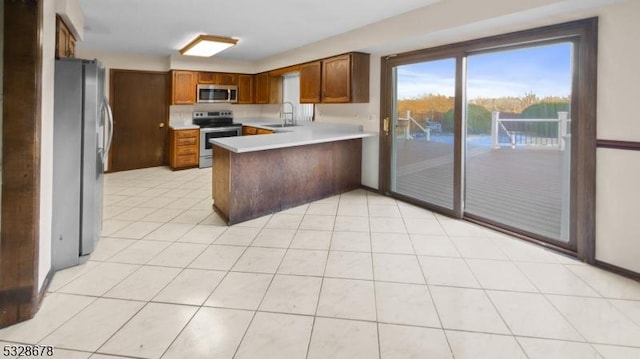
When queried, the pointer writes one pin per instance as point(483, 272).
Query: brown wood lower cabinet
point(183, 148)
point(250, 130)
point(262, 131)
point(253, 184)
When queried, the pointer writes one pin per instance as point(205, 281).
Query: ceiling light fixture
point(207, 45)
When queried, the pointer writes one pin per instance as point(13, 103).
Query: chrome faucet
point(284, 114)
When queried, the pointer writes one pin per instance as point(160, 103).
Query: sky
point(543, 70)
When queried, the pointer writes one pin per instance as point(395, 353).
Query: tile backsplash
point(355, 114)
point(182, 114)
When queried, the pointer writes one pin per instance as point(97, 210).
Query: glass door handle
point(385, 126)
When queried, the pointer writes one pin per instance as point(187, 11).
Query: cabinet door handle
point(161, 124)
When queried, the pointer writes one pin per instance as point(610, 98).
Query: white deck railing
point(404, 123)
point(527, 138)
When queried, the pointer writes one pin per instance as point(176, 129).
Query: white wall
point(618, 73)
point(46, 139)
point(441, 23)
point(72, 15)
point(618, 195)
point(618, 171)
point(214, 64)
point(112, 60)
point(127, 61)
point(182, 113)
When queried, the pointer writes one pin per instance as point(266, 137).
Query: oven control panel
point(212, 114)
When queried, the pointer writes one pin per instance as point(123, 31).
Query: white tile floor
point(352, 276)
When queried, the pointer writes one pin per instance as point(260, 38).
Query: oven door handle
point(219, 129)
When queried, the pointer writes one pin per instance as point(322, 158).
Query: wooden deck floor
point(518, 187)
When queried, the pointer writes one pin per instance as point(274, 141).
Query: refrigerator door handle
point(109, 136)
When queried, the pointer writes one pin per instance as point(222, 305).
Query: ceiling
point(263, 28)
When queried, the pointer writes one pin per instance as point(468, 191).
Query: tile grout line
point(255, 313)
point(173, 279)
point(324, 270)
point(373, 274)
point(484, 291)
point(433, 302)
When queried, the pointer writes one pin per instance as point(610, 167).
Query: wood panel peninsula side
point(258, 175)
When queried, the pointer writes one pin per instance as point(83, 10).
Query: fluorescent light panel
point(207, 45)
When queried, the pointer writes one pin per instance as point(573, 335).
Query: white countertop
point(183, 126)
point(305, 133)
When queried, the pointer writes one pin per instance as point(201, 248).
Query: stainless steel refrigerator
point(82, 127)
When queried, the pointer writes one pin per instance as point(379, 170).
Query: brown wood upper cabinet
point(268, 88)
point(275, 88)
point(345, 78)
point(183, 87)
point(245, 89)
point(310, 82)
point(262, 88)
point(217, 78)
point(65, 41)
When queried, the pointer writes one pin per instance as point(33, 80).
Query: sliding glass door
point(483, 130)
point(422, 124)
point(518, 152)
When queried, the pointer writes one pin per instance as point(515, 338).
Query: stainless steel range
point(214, 124)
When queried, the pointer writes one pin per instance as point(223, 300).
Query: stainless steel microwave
point(217, 93)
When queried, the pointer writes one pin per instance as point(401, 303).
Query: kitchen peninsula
point(258, 175)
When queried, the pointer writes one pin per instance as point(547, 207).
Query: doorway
point(499, 131)
point(139, 101)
